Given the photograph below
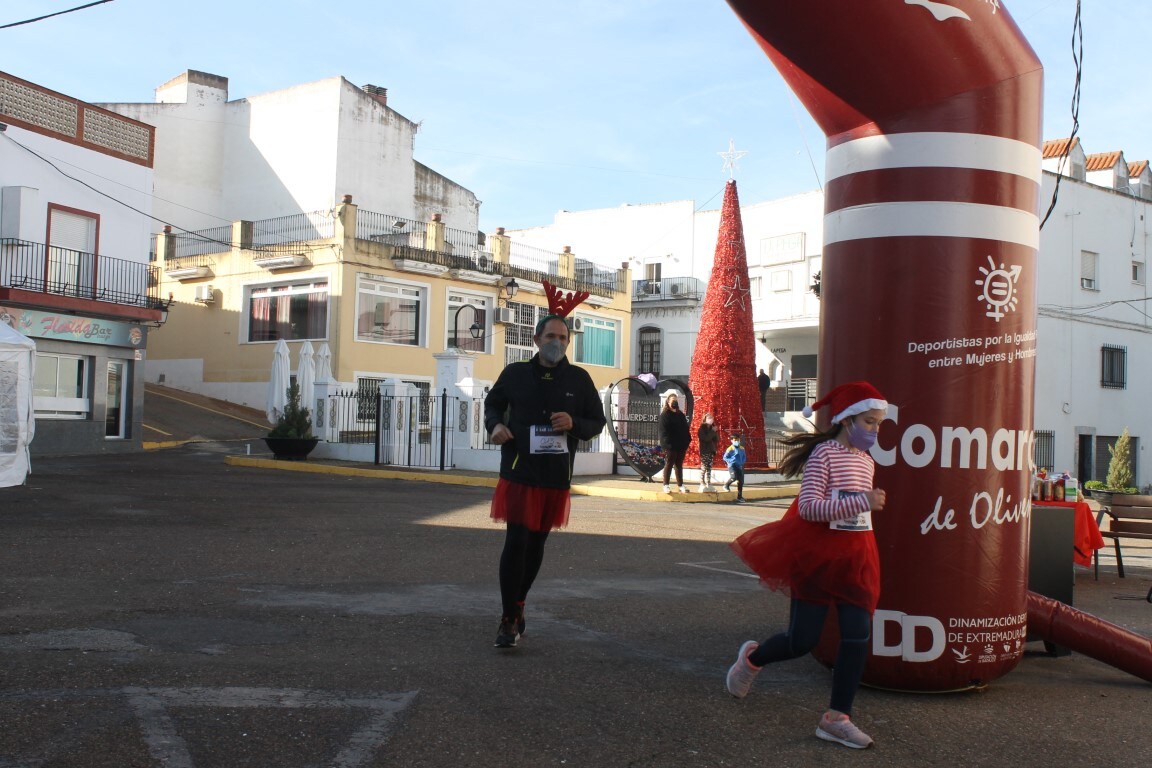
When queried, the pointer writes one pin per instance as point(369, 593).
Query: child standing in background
point(735, 457)
point(707, 441)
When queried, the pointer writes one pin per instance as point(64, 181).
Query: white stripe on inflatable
point(933, 219)
point(934, 150)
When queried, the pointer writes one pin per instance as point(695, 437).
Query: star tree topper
point(730, 158)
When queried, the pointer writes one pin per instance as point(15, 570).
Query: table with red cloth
point(1087, 538)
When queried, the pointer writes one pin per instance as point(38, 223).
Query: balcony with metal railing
point(407, 239)
point(61, 272)
point(669, 289)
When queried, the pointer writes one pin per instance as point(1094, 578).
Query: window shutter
point(73, 232)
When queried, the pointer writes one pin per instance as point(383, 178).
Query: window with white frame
point(597, 345)
point(755, 287)
point(466, 310)
point(390, 311)
point(72, 239)
point(1138, 272)
point(518, 344)
point(116, 419)
point(289, 311)
point(649, 349)
point(1089, 263)
point(60, 387)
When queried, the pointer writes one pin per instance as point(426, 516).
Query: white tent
point(17, 414)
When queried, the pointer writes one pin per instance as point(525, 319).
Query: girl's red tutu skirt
point(812, 562)
point(538, 509)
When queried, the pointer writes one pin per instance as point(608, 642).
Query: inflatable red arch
point(933, 116)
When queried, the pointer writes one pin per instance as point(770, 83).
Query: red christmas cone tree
point(723, 373)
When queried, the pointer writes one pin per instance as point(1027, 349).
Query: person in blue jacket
point(537, 412)
point(735, 457)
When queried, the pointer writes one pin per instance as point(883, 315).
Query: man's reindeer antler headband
point(561, 305)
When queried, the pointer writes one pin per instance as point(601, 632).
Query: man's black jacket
point(527, 394)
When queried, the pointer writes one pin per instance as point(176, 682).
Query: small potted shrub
point(292, 438)
point(1119, 478)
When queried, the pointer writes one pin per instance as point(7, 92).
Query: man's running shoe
point(507, 636)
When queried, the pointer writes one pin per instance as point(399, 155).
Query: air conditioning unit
point(505, 315)
point(1088, 282)
point(676, 289)
point(480, 259)
point(576, 324)
point(205, 294)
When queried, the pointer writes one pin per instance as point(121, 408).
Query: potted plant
point(291, 438)
point(1119, 477)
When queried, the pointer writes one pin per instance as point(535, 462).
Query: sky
point(550, 105)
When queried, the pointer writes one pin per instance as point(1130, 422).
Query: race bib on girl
point(859, 522)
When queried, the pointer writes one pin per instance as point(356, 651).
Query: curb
point(489, 481)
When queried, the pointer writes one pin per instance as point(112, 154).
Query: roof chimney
point(378, 93)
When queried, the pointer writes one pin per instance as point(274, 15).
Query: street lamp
point(162, 305)
point(510, 288)
point(476, 329)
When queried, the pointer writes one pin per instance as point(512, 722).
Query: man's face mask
point(552, 352)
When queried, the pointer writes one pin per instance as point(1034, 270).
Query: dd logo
point(912, 638)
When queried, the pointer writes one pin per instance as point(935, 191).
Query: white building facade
point(75, 277)
point(290, 151)
point(1094, 345)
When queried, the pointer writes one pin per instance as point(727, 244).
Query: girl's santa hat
point(848, 400)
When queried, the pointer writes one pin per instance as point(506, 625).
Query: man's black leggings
point(519, 563)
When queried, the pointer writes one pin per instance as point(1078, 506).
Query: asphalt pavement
point(173, 417)
point(200, 606)
point(173, 609)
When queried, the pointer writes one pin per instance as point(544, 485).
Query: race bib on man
point(860, 522)
point(547, 439)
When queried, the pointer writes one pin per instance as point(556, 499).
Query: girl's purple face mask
point(859, 438)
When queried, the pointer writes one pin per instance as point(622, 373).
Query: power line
point(137, 210)
point(1078, 58)
point(50, 15)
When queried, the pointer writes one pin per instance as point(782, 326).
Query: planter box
point(291, 448)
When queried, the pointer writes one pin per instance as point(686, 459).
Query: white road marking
point(152, 706)
point(706, 565)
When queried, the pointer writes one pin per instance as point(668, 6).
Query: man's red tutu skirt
point(810, 561)
point(538, 509)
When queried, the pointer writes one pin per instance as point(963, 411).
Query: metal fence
point(414, 430)
point(388, 229)
point(294, 228)
point(203, 241)
point(801, 392)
